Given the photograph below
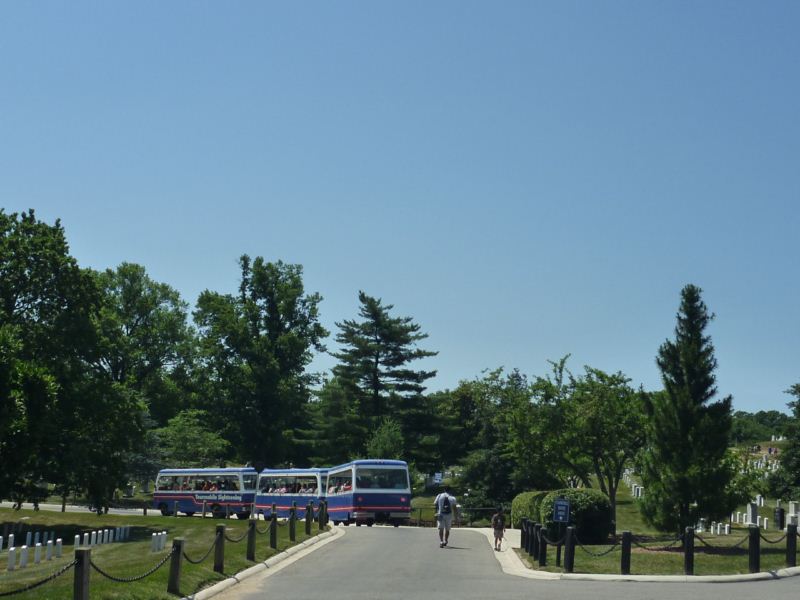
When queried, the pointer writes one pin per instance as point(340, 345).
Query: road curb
point(295, 552)
point(513, 565)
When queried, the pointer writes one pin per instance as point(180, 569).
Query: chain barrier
point(236, 540)
point(133, 579)
point(47, 579)
point(657, 548)
point(741, 542)
point(778, 541)
point(595, 554)
point(266, 529)
point(550, 542)
point(700, 538)
point(205, 556)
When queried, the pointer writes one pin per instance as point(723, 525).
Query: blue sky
point(525, 179)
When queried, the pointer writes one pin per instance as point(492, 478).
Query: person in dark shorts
point(499, 527)
point(445, 505)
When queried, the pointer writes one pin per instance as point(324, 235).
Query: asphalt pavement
point(406, 563)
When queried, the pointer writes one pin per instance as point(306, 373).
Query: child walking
point(499, 526)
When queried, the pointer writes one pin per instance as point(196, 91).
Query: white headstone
point(1, 543)
point(37, 553)
point(58, 548)
point(23, 557)
point(77, 541)
point(727, 529)
point(766, 522)
point(793, 507)
point(105, 536)
point(10, 540)
point(758, 521)
point(94, 538)
point(12, 558)
point(85, 539)
point(153, 543)
point(752, 513)
point(777, 503)
point(48, 554)
point(36, 538)
point(27, 539)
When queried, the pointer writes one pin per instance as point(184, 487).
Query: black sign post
point(560, 516)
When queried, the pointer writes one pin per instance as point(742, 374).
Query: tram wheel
point(164, 510)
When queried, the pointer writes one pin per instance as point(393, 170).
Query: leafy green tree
point(143, 337)
point(46, 341)
point(386, 441)
point(187, 441)
point(253, 353)
point(374, 366)
point(336, 433)
point(605, 423)
point(785, 483)
point(541, 438)
point(683, 469)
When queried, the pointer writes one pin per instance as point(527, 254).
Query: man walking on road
point(445, 505)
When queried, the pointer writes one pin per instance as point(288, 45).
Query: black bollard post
point(227, 511)
point(523, 534)
point(321, 515)
point(204, 509)
point(791, 545)
point(535, 541)
point(174, 581)
point(219, 550)
point(754, 550)
point(625, 562)
point(80, 588)
point(251, 539)
point(273, 528)
point(780, 518)
point(569, 550)
point(309, 516)
point(688, 551)
point(292, 522)
point(542, 547)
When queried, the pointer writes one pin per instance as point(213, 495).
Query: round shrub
point(590, 513)
point(526, 505)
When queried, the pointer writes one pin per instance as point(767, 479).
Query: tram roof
point(207, 470)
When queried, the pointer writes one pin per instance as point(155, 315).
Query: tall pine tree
point(683, 470)
point(374, 369)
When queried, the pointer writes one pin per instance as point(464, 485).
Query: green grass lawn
point(133, 558)
point(720, 559)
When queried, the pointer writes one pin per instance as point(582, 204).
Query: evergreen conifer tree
point(683, 469)
point(374, 369)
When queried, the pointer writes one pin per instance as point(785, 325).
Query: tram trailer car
point(369, 491)
point(228, 491)
point(283, 487)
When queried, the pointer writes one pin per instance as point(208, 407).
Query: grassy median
point(134, 557)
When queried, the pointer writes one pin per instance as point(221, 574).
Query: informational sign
point(561, 511)
point(437, 478)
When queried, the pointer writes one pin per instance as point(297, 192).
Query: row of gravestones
point(637, 491)
point(53, 547)
point(750, 517)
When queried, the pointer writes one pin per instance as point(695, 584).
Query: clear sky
point(525, 179)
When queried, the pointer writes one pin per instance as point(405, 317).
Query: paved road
point(407, 564)
point(77, 508)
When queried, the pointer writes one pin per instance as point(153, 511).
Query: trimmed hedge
point(590, 513)
point(525, 505)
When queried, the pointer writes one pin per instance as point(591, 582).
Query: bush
point(526, 505)
point(590, 513)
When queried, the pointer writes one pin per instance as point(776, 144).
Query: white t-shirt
point(440, 500)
